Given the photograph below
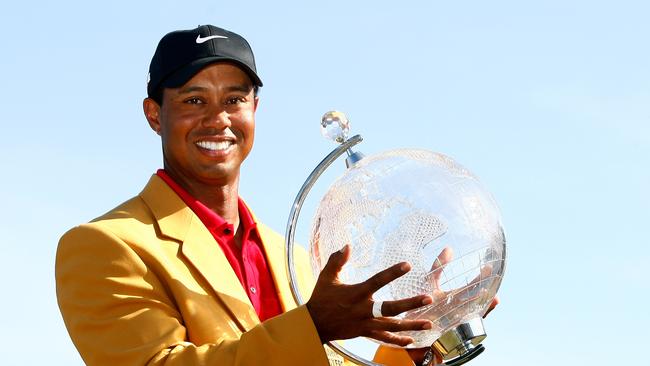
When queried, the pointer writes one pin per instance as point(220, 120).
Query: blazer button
point(253, 289)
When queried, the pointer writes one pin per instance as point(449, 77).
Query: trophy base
point(466, 357)
point(462, 343)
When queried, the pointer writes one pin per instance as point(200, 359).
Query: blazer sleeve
point(390, 356)
point(118, 312)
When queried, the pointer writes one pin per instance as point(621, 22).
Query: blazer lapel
point(177, 221)
point(274, 245)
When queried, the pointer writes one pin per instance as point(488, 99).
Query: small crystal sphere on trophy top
point(416, 206)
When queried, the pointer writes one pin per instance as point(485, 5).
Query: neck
point(222, 198)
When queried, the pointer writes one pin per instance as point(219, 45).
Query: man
point(183, 274)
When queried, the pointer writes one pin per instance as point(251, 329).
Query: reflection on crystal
point(423, 208)
point(335, 126)
point(414, 232)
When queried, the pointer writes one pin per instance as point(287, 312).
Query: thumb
point(445, 256)
point(336, 262)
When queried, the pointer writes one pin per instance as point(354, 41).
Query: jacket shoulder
point(132, 209)
point(127, 219)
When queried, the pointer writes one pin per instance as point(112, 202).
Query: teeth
point(213, 145)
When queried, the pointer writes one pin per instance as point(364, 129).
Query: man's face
point(207, 126)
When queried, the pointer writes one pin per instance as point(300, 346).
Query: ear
point(257, 101)
point(152, 114)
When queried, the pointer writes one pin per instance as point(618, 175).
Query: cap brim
point(185, 73)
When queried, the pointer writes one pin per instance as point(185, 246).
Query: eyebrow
point(245, 88)
point(191, 89)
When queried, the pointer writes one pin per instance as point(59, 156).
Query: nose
point(217, 118)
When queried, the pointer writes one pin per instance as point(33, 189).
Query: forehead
point(221, 74)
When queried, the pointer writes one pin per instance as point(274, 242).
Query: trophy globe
point(416, 206)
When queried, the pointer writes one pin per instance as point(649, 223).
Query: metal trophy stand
point(456, 346)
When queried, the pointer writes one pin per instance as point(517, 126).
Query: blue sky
point(548, 102)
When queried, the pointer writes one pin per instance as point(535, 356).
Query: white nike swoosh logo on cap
point(201, 40)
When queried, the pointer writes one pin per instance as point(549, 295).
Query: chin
point(219, 176)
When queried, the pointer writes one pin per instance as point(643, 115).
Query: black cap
point(181, 54)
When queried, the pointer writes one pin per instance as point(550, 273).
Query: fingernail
point(427, 325)
point(405, 267)
point(345, 247)
point(427, 300)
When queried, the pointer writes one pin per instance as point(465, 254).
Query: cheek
point(249, 132)
point(249, 121)
point(174, 136)
point(176, 125)
point(250, 126)
point(244, 122)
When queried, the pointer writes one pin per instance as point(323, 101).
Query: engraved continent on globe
point(421, 207)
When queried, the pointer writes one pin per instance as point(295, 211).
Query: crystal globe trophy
point(416, 206)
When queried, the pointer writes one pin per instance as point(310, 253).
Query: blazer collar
point(171, 213)
point(178, 222)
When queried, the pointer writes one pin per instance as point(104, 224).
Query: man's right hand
point(342, 311)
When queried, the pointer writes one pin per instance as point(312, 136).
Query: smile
point(214, 145)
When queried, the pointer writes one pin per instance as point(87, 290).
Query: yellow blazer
point(146, 284)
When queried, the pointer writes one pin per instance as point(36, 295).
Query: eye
point(193, 100)
point(235, 100)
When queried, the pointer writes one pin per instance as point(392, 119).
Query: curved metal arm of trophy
point(334, 126)
point(291, 232)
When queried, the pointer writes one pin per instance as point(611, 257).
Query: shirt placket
point(252, 284)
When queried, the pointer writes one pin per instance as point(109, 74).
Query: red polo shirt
point(249, 262)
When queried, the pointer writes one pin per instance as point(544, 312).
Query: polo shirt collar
point(210, 219)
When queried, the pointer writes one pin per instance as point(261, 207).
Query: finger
point(396, 307)
point(417, 354)
point(381, 279)
point(335, 263)
point(391, 338)
point(400, 325)
point(471, 291)
point(485, 272)
point(493, 305)
point(445, 256)
point(438, 358)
